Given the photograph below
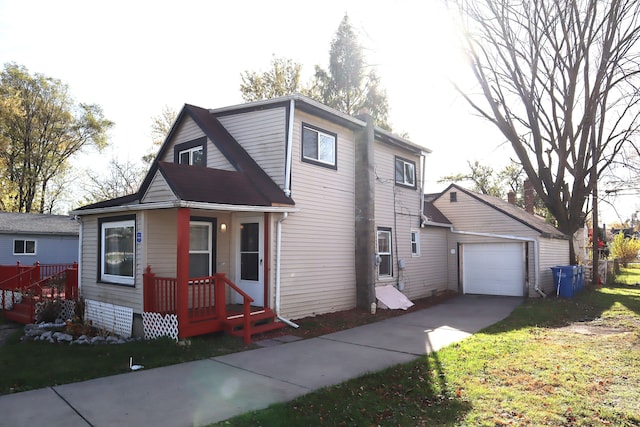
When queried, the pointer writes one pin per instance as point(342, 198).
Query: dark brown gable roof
point(515, 212)
point(118, 201)
point(200, 184)
point(433, 214)
point(248, 185)
point(233, 152)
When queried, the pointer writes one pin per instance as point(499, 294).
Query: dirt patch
point(587, 329)
point(337, 321)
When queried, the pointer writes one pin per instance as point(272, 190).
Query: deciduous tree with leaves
point(283, 78)
point(41, 127)
point(559, 80)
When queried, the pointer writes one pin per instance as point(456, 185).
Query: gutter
point(278, 270)
point(184, 204)
point(536, 254)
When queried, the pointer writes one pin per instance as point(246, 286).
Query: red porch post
point(182, 270)
point(71, 285)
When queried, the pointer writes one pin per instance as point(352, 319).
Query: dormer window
point(193, 153)
point(192, 156)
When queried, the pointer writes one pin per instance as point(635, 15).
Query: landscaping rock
point(97, 340)
point(62, 337)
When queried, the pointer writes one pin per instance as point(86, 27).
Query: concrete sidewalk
point(211, 390)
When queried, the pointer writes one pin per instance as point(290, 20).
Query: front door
point(250, 261)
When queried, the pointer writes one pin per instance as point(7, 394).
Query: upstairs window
point(192, 156)
point(318, 146)
point(405, 172)
point(193, 153)
point(24, 247)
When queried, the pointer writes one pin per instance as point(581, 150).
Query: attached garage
point(493, 268)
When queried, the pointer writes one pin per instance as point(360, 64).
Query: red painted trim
point(266, 259)
point(182, 270)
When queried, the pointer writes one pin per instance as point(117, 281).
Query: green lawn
point(31, 365)
point(552, 362)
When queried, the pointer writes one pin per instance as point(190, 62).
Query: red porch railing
point(34, 283)
point(206, 301)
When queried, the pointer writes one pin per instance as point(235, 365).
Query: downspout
point(79, 219)
point(278, 257)
point(536, 261)
point(421, 219)
point(287, 166)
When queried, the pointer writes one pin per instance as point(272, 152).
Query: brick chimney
point(528, 196)
point(511, 197)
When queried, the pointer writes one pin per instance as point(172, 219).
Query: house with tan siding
point(255, 215)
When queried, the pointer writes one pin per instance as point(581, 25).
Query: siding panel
point(90, 287)
point(158, 190)
point(318, 251)
point(263, 134)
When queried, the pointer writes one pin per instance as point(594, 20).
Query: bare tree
point(160, 127)
point(558, 79)
point(121, 179)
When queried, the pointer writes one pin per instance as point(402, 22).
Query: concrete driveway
point(211, 390)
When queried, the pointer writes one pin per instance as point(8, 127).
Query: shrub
point(625, 249)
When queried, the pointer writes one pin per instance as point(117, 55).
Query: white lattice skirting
point(157, 325)
point(111, 318)
point(67, 310)
point(9, 297)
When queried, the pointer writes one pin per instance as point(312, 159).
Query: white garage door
point(493, 268)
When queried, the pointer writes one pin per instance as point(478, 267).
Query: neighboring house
point(495, 247)
point(304, 208)
point(31, 238)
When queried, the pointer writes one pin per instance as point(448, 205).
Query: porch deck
point(202, 307)
point(21, 287)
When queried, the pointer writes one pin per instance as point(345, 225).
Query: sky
point(133, 58)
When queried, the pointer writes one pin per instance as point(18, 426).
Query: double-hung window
point(24, 247)
point(117, 250)
point(385, 267)
point(200, 244)
point(318, 146)
point(415, 243)
point(405, 172)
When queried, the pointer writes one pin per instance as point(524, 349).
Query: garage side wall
point(553, 252)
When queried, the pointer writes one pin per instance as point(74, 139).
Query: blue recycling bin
point(564, 279)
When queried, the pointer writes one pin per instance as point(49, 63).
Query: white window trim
point(111, 278)
point(209, 226)
point(320, 133)
point(190, 151)
point(404, 181)
point(415, 233)
point(25, 253)
point(390, 253)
